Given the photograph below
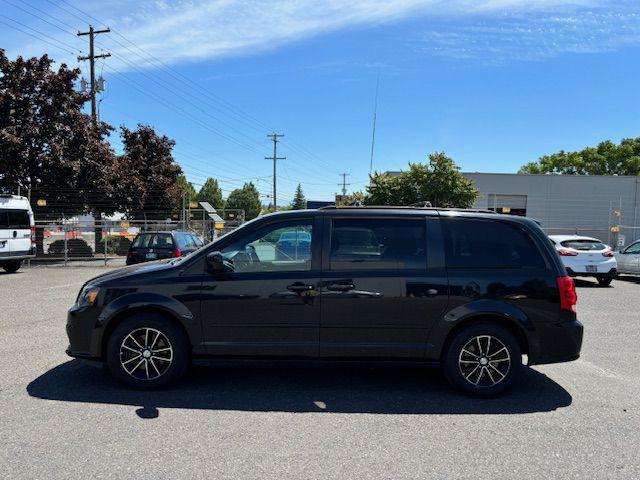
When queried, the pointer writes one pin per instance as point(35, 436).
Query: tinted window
point(153, 240)
point(584, 245)
point(14, 219)
point(480, 243)
point(378, 244)
point(281, 247)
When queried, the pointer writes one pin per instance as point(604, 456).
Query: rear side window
point(374, 244)
point(14, 219)
point(484, 243)
point(584, 245)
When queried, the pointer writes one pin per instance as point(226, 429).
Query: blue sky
point(494, 83)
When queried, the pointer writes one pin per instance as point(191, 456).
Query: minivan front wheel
point(147, 351)
point(483, 360)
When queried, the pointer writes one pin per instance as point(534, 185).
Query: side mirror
point(215, 261)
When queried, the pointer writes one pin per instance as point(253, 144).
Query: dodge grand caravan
point(472, 292)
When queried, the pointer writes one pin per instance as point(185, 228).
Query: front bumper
point(84, 333)
point(558, 342)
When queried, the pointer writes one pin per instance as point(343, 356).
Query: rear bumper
point(577, 273)
point(558, 342)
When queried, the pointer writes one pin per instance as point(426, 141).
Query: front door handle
point(299, 287)
point(341, 287)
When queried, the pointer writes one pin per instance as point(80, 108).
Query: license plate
point(592, 268)
point(151, 256)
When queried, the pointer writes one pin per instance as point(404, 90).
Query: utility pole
point(344, 183)
point(92, 60)
point(274, 138)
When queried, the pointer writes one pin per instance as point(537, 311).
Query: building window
point(511, 204)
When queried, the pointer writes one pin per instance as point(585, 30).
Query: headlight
point(88, 296)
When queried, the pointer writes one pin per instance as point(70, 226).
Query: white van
point(17, 232)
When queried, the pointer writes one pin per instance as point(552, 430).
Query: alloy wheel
point(484, 361)
point(146, 354)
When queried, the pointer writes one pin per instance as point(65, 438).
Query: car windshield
point(584, 245)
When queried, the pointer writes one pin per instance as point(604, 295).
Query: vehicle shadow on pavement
point(285, 389)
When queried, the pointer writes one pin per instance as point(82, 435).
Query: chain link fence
point(84, 239)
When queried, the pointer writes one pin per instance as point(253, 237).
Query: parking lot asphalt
point(62, 419)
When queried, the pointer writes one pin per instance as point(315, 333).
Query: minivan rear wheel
point(12, 266)
point(147, 351)
point(482, 360)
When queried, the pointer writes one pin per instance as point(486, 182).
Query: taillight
point(177, 253)
point(33, 236)
point(568, 295)
point(608, 253)
point(565, 252)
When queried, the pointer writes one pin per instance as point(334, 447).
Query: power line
point(238, 112)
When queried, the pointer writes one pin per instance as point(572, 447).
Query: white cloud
point(190, 30)
point(194, 30)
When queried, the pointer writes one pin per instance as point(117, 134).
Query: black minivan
point(470, 291)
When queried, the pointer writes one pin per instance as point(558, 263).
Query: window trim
point(326, 247)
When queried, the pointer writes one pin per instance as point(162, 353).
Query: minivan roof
point(393, 210)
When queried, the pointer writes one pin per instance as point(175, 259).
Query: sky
point(493, 83)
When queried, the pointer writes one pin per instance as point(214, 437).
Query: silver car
point(629, 259)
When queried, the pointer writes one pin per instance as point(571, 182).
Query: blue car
point(294, 245)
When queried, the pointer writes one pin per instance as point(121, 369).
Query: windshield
point(584, 245)
point(153, 240)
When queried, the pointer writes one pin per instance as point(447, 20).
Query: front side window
point(485, 243)
point(280, 247)
point(375, 244)
point(633, 249)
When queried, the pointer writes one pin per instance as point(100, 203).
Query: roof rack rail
point(404, 207)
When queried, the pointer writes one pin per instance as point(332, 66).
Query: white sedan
point(586, 257)
point(629, 259)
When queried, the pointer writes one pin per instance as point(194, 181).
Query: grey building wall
point(568, 203)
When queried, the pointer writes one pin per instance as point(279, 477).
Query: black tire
point(12, 266)
point(172, 341)
point(604, 281)
point(493, 377)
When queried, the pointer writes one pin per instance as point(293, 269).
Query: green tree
point(605, 159)
point(147, 174)
point(299, 201)
point(212, 193)
point(246, 198)
point(438, 182)
point(185, 186)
